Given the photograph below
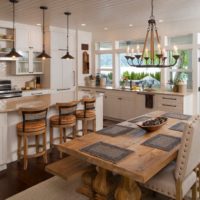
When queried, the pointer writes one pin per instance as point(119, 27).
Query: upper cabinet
point(6, 40)
point(28, 37)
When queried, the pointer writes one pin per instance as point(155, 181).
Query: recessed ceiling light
point(83, 24)
point(130, 25)
point(161, 20)
point(39, 24)
point(105, 28)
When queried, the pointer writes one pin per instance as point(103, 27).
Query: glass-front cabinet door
point(28, 64)
point(22, 66)
point(37, 63)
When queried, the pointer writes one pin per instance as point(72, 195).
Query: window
point(180, 40)
point(105, 67)
point(103, 46)
point(138, 75)
point(183, 69)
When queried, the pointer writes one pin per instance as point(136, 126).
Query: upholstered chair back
point(189, 153)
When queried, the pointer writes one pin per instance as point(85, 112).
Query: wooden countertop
point(162, 92)
point(9, 105)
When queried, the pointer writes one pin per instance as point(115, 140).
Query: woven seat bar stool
point(33, 125)
point(66, 119)
point(87, 115)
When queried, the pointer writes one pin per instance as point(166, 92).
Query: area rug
point(57, 188)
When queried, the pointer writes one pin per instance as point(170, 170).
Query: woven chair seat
point(89, 114)
point(67, 119)
point(32, 126)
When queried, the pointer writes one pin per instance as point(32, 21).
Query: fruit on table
point(154, 122)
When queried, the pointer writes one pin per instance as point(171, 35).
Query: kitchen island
point(9, 117)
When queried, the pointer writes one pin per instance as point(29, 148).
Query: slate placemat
point(140, 119)
point(162, 142)
point(180, 126)
point(177, 116)
point(107, 151)
point(115, 130)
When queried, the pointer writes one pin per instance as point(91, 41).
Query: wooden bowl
point(151, 128)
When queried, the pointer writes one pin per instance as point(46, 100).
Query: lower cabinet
point(119, 105)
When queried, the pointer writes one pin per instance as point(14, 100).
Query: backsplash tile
point(18, 81)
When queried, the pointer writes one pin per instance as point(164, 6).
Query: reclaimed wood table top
point(141, 165)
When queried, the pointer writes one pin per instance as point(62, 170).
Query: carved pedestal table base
point(127, 189)
point(102, 185)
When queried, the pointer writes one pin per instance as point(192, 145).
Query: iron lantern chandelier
point(151, 59)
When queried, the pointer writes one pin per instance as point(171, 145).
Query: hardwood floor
point(14, 179)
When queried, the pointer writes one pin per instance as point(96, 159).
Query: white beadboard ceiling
point(97, 14)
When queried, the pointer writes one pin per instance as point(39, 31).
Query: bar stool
point(65, 120)
point(87, 115)
point(33, 124)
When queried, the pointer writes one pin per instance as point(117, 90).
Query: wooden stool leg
point(94, 125)
point(45, 148)
point(84, 126)
point(51, 137)
point(61, 139)
point(64, 134)
point(74, 131)
point(37, 143)
point(19, 143)
point(25, 152)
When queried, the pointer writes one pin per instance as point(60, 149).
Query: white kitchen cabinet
point(28, 37)
point(62, 71)
point(140, 104)
point(119, 105)
point(28, 64)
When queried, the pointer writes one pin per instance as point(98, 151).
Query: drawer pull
point(85, 90)
point(169, 98)
point(119, 98)
point(38, 93)
point(169, 105)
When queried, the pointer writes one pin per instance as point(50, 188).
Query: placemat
point(115, 130)
point(137, 132)
point(107, 151)
point(140, 119)
point(177, 116)
point(163, 142)
point(180, 126)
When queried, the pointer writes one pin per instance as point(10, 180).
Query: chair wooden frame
point(86, 119)
point(25, 134)
point(62, 127)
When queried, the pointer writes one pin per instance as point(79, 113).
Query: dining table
point(120, 177)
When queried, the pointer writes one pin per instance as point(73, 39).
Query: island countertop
point(10, 105)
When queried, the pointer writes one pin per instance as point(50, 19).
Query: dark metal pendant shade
point(67, 55)
point(13, 53)
point(43, 55)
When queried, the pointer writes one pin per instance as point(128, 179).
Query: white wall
point(83, 38)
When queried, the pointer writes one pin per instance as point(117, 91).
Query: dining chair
point(179, 177)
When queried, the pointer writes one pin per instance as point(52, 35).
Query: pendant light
point(67, 55)
point(43, 55)
point(13, 53)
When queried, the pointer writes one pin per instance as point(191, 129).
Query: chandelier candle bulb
point(164, 53)
point(159, 49)
point(132, 52)
point(147, 52)
point(127, 50)
point(175, 50)
point(138, 49)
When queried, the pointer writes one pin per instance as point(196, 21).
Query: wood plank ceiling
point(97, 14)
